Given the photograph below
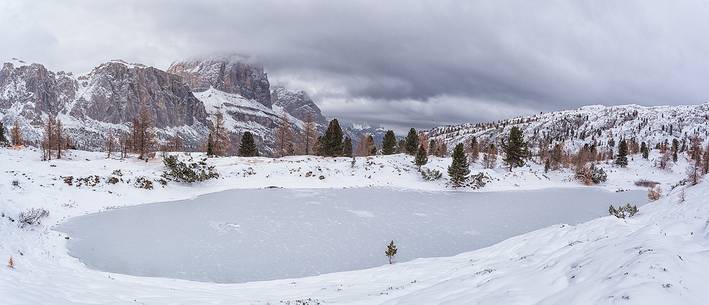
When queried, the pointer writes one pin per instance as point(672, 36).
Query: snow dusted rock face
point(298, 104)
point(107, 98)
point(228, 74)
point(114, 92)
point(182, 101)
point(32, 90)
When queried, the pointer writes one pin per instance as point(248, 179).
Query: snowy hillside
point(591, 124)
point(655, 257)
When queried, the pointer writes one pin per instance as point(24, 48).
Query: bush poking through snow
point(188, 171)
point(623, 211)
point(479, 180)
point(654, 193)
point(143, 183)
point(32, 217)
point(590, 175)
point(646, 183)
point(11, 263)
point(430, 174)
point(112, 180)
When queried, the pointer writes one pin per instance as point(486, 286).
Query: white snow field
point(659, 256)
point(247, 235)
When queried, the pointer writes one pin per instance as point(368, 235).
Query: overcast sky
point(400, 63)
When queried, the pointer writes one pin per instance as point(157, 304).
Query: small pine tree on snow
point(247, 148)
point(458, 170)
point(421, 157)
point(644, 150)
point(3, 139)
point(515, 149)
point(622, 158)
point(389, 143)
point(11, 262)
point(331, 142)
point(390, 251)
point(210, 145)
point(412, 142)
point(347, 147)
point(675, 148)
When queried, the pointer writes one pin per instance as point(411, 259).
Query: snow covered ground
point(657, 257)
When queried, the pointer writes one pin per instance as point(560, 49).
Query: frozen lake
point(264, 234)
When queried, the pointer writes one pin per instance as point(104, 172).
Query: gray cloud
point(401, 63)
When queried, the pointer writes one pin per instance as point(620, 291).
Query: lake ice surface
point(264, 234)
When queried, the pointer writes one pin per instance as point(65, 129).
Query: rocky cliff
point(182, 101)
point(228, 74)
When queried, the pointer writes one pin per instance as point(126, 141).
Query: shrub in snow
point(646, 183)
point(89, 180)
point(479, 180)
point(430, 174)
point(32, 217)
point(112, 180)
point(623, 211)
point(189, 171)
point(654, 193)
point(11, 263)
point(590, 174)
point(143, 183)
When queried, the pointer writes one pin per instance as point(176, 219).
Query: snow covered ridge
point(658, 256)
point(590, 124)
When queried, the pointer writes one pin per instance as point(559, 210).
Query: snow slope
point(590, 124)
point(657, 257)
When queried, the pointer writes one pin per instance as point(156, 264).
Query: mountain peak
point(225, 73)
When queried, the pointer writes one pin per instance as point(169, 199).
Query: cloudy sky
point(400, 63)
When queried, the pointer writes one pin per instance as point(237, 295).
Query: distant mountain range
point(184, 99)
point(181, 100)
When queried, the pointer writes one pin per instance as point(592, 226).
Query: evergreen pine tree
point(421, 157)
point(412, 142)
point(247, 148)
point(622, 158)
point(474, 150)
point(347, 147)
point(432, 147)
point(515, 148)
point(389, 143)
point(675, 148)
point(547, 166)
point(390, 251)
point(3, 139)
point(210, 145)
point(458, 170)
point(331, 143)
point(644, 150)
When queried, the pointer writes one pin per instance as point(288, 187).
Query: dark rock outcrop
point(34, 90)
point(114, 92)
